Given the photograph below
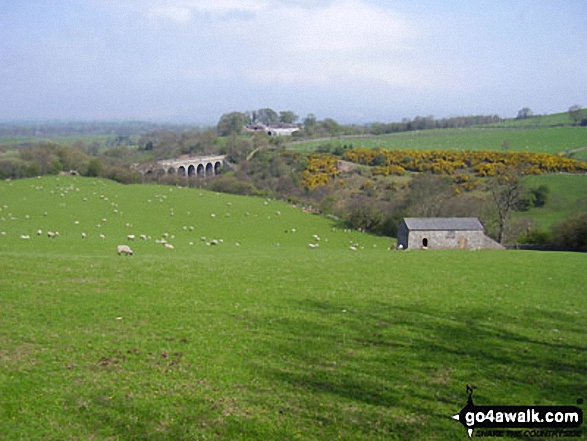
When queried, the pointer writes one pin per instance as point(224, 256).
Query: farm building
point(466, 233)
point(281, 129)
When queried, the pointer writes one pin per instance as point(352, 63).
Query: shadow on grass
point(409, 365)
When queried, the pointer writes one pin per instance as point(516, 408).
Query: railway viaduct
point(200, 166)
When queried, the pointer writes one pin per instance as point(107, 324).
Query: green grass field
point(567, 197)
point(269, 339)
point(540, 140)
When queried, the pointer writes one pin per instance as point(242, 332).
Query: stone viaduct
point(200, 166)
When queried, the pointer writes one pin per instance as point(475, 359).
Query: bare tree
point(506, 190)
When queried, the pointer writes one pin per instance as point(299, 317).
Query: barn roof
point(443, 223)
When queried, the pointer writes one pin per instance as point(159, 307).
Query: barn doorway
point(425, 243)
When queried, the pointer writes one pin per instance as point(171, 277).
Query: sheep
point(400, 247)
point(214, 242)
point(101, 236)
point(130, 237)
point(168, 246)
point(353, 248)
point(143, 237)
point(24, 236)
point(124, 249)
point(84, 235)
point(52, 234)
point(39, 232)
point(313, 245)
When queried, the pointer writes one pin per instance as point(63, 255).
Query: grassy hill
point(567, 197)
point(541, 140)
point(269, 339)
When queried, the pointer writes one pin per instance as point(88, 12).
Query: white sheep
point(24, 236)
point(168, 246)
point(124, 249)
point(143, 237)
point(52, 234)
point(131, 237)
point(84, 235)
point(101, 236)
point(39, 232)
point(313, 245)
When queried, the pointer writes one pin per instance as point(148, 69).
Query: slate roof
point(443, 223)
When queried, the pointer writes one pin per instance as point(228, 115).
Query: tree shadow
point(418, 360)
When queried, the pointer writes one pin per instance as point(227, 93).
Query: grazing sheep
point(25, 236)
point(143, 237)
point(101, 236)
point(400, 247)
point(168, 246)
point(316, 237)
point(353, 248)
point(214, 242)
point(39, 232)
point(51, 234)
point(313, 245)
point(84, 235)
point(124, 249)
point(131, 237)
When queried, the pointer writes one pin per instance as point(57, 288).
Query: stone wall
point(464, 240)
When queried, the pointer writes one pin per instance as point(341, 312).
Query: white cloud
point(178, 14)
point(183, 11)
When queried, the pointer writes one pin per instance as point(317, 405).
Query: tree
point(232, 123)
point(94, 167)
point(288, 117)
point(506, 191)
point(572, 232)
point(428, 195)
point(267, 116)
point(525, 113)
point(576, 113)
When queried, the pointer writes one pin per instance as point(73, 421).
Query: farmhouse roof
point(444, 223)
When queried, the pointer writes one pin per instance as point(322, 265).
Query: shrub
point(572, 232)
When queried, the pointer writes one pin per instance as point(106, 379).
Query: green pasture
point(555, 119)
point(567, 197)
point(540, 140)
point(102, 140)
point(269, 339)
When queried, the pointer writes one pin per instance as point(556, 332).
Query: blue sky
point(351, 60)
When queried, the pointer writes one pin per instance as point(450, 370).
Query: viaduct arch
point(200, 166)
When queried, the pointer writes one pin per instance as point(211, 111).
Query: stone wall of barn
point(465, 240)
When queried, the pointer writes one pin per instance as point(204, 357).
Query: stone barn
point(436, 233)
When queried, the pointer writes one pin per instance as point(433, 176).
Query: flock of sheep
point(124, 249)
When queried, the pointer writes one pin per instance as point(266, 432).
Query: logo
point(545, 420)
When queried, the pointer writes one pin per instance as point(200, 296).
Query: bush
point(572, 232)
point(536, 237)
point(363, 214)
point(228, 183)
point(539, 195)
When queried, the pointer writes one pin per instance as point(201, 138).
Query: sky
point(356, 61)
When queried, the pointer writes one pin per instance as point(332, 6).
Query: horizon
point(355, 61)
